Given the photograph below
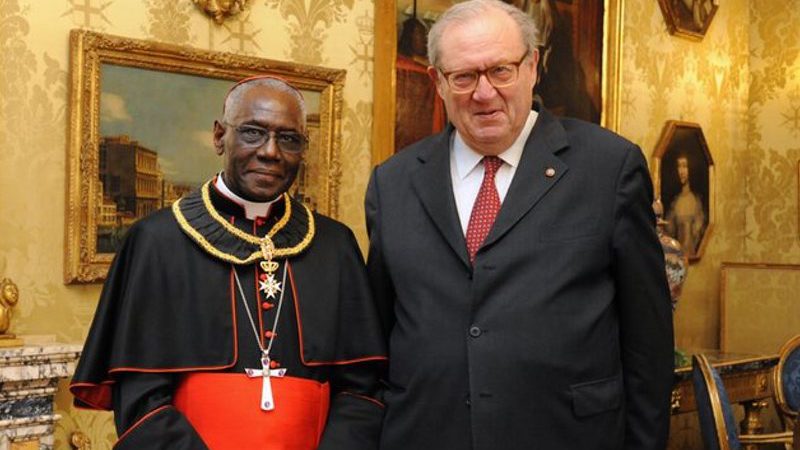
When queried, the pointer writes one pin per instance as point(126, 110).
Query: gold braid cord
point(251, 238)
point(247, 237)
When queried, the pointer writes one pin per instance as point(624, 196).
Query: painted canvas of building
point(129, 175)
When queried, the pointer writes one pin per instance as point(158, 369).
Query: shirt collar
point(467, 159)
point(252, 210)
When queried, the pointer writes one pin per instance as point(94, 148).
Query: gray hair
point(474, 9)
point(234, 98)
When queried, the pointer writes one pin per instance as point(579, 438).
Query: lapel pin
point(550, 172)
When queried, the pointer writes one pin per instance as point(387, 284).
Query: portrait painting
point(577, 39)
point(570, 56)
point(684, 183)
point(689, 18)
point(141, 136)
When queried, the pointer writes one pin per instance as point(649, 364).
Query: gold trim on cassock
point(247, 237)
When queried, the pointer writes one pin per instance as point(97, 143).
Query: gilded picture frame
point(688, 18)
point(116, 80)
point(386, 56)
point(683, 178)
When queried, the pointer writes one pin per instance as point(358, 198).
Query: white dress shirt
point(466, 170)
point(252, 210)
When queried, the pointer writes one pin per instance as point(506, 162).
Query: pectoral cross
point(267, 401)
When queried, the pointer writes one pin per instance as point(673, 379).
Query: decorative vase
point(676, 263)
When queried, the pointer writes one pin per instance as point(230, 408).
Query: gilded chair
point(787, 383)
point(717, 423)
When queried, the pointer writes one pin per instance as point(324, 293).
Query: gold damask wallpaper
point(33, 124)
point(672, 78)
point(741, 84)
point(773, 135)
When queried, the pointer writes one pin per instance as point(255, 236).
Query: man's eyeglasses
point(499, 76)
point(253, 136)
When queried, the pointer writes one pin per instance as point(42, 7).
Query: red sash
point(224, 409)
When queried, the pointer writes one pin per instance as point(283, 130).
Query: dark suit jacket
point(560, 336)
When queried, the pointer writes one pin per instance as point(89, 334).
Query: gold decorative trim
point(256, 255)
point(733, 362)
point(251, 238)
point(385, 82)
point(713, 397)
point(90, 50)
point(611, 77)
point(777, 382)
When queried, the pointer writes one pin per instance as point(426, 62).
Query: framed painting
point(688, 18)
point(140, 135)
point(579, 69)
point(683, 175)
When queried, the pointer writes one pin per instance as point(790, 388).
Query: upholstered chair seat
point(787, 383)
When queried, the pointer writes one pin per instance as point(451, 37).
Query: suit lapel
point(434, 188)
point(530, 182)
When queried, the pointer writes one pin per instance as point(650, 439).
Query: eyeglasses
point(499, 76)
point(254, 137)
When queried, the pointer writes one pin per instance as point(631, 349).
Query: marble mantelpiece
point(29, 377)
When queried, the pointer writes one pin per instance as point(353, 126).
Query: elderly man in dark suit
point(516, 264)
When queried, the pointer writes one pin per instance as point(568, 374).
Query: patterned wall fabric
point(773, 136)
point(741, 83)
point(671, 78)
point(34, 116)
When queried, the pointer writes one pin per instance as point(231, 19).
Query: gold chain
point(256, 255)
point(251, 238)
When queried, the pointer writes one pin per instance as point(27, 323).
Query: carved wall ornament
point(220, 10)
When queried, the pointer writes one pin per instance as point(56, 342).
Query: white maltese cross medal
point(269, 285)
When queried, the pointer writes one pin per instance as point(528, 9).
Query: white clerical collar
point(252, 210)
point(467, 159)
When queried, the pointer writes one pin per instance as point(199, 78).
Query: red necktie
point(485, 209)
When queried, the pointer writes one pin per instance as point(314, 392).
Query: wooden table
point(747, 379)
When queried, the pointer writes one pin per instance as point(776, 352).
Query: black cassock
point(170, 341)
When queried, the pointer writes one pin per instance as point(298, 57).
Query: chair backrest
point(787, 378)
point(717, 424)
